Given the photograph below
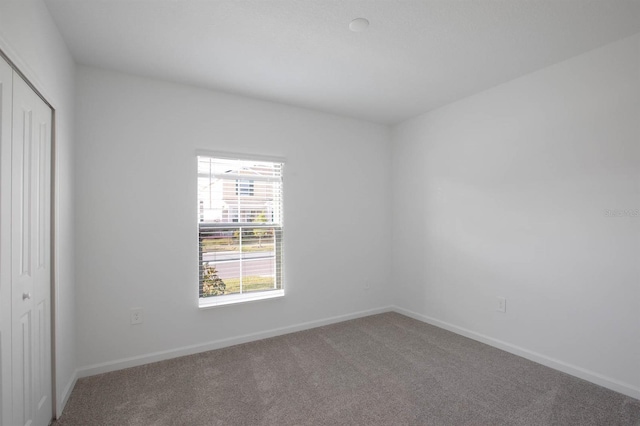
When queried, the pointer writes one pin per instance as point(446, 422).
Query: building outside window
point(244, 187)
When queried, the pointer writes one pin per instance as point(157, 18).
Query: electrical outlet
point(502, 305)
point(137, 316)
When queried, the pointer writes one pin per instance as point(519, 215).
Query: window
point(239, 230)
point(244, 187)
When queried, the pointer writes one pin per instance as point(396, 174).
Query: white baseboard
point(134, 361)
point(599, 379)
point(66, 393)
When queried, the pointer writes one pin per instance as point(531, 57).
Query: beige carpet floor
point(380, 370)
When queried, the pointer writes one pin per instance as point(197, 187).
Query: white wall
point(504, 194)
point(31, 40)
point(137, 210)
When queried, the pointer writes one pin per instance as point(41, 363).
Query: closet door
point(30, 257)
point(6, 95)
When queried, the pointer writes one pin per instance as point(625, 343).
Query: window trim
point(233, 299)
point(241, 157)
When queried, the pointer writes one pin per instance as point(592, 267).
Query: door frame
point(13, 60)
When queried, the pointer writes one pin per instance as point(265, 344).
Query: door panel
point(22, 370)
point(24, 190)
point(40, 356)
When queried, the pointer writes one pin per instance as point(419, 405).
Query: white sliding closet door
point(6, 97)
point(28, 193)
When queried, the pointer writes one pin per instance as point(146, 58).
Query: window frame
point(236, 298)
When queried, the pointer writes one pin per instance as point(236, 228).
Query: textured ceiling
point(415, 56)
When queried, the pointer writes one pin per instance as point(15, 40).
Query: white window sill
point(232, 299)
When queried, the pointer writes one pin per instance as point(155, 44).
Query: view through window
point(239, 229)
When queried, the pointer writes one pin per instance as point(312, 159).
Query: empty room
point(320, 212)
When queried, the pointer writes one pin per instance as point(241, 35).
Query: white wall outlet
point(502, 305)
point(137, 316)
